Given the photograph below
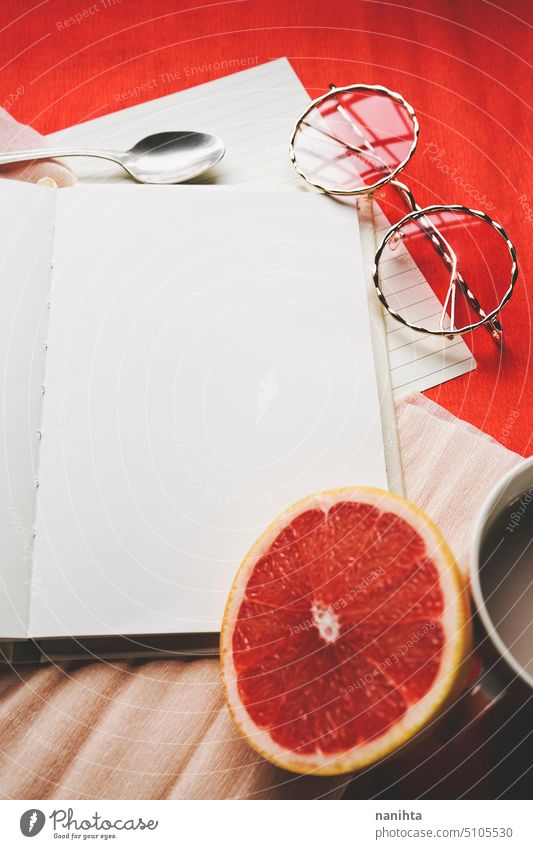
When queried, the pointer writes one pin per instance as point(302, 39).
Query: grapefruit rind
point(453, 669)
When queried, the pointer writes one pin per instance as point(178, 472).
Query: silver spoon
point(170, 157)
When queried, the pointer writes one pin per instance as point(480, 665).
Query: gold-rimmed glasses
point(355, 140)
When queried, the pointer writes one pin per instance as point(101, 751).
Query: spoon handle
point(53, 153)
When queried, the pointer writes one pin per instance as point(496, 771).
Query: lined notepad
point(416, 361)
point(254, 111)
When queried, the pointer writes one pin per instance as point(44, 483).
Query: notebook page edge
point(27, 238)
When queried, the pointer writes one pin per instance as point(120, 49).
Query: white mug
point(500, 668)
point(517, 483)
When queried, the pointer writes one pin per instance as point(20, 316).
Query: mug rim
point(480, 526)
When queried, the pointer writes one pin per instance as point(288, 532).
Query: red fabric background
point(462, 65)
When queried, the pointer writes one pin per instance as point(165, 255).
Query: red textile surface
point(462, 65)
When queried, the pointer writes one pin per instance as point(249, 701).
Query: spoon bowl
point(172, 157)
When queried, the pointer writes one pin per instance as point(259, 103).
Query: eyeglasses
point(353, 141)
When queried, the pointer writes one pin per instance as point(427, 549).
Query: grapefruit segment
point(345, 632)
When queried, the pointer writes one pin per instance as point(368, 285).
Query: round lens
point(353, 139)
point(466, 269)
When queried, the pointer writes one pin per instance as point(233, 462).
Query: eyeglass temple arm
point(347, 117)
point(367, 151)
point(438, 241)
point(494, 325)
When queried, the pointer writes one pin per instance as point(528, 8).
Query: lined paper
point(416, 361)
point(254, 112)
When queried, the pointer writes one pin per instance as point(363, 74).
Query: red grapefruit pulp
point(345, 631)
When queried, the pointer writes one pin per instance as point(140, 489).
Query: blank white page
point(209, 363)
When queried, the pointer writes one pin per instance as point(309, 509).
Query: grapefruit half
point(345, 632)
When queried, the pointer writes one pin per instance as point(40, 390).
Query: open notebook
point(179, 365)
point(254, 111)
